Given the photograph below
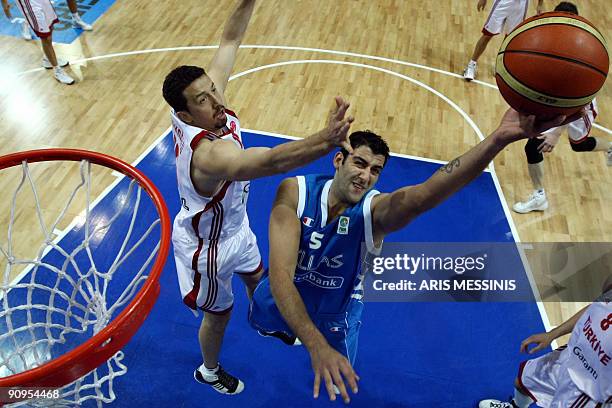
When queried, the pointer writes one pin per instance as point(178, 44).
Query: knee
point(585, 145)
point(531, 150)
point(216, 322)
point(252, 280)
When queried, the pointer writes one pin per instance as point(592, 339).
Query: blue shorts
point(341, 330)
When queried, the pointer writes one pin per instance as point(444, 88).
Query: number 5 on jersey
point(315, 240)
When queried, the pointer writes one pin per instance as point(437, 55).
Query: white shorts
point(205, 268)
point(549, 385)
point(580, 129)
point(505, 15)
point(40, 15)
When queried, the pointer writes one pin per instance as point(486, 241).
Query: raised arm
point(285, 230)
point(223, 160)
point(393, 211)
point(223, 61)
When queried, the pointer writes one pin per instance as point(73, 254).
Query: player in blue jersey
point(314, 287)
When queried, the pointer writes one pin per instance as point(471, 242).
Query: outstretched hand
point(515, 126)
point(338, 126)
point(549, 141)
point(541, 340)
point(334, 368)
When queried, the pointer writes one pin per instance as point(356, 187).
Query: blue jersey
point(329, 266)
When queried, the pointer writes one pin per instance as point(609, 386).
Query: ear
point(338, 159)
point(185, 117)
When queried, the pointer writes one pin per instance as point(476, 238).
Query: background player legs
point(481, 46)
point(537, 201)
point(58, 72)
point(48, 50)
point(76, 18)
point(536, 173)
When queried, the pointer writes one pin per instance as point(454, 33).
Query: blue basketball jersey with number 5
point(329, 272)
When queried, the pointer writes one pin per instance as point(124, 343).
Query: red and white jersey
point(579, 129)
point(39, 14)
point(589, 351)
point(207, 218)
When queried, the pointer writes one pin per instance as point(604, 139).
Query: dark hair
point(567, 6)
point(367, 138)
point(175, 83)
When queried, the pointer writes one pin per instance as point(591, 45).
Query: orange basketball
point(552, 64)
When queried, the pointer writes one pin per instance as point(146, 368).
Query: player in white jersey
point(211, 235)
point(576, 376)
point(505, 15)
point(41, 17)
point(579, 133)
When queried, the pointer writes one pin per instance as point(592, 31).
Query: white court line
point(289, 48)
point(456, 107)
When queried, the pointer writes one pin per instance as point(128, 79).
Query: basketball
point(552, 64)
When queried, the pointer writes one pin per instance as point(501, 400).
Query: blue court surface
point(419, 355)
point(63, 32)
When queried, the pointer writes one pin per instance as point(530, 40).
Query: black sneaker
point(284, 337)
point(225, 383)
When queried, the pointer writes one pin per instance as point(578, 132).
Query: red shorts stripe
point(211, 263)
point(219, 312)
point(191, 298)
point(256, 271)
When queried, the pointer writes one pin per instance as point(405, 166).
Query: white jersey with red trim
point(207, 218)
point(589, 350)
point(579, 129)
point(39, 14)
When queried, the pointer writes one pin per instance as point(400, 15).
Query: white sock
point(521, 400)
point(540, 191)
point(76, 16)
point(207, 373)
point(473, 62)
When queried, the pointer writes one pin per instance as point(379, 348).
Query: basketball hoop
point(78, 297)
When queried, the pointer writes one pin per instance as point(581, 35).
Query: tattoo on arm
point(450, 166)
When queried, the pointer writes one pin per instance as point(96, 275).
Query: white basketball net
point(55, 306)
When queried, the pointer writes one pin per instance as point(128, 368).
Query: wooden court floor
point(117, 108)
